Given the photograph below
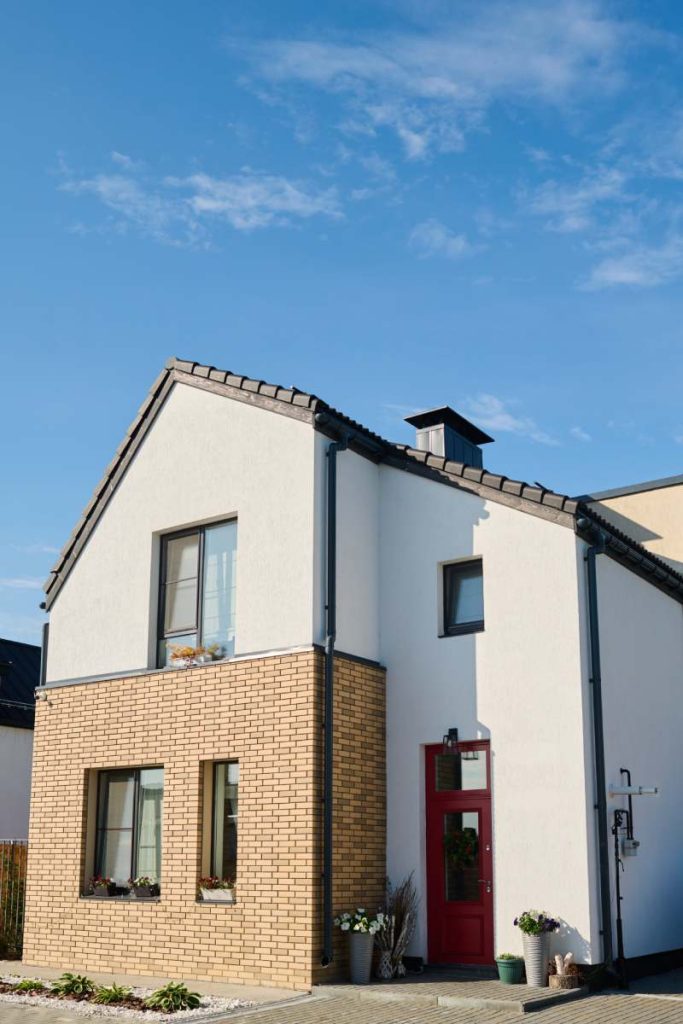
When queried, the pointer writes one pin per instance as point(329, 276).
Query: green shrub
point(508, 956)
point(109, 994)
point(76, 985)
point(30, 985)
point(173, 997)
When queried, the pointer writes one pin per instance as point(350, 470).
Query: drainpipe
point(328, 720)
point(595, 549)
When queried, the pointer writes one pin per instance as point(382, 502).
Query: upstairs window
point(197, 589)
point(463, 597)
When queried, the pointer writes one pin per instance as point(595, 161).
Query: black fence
point(13, 857)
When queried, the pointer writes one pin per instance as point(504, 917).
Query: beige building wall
point(652, 517)
point(263, 712)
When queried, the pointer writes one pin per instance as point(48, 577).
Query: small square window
point(463, 597)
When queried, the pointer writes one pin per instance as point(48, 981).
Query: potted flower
point(205, 655)
point(510, 967)
point(144, 887)
point(217, 890)
point(182, 656)
point(362, 930)
point(101, 886)
point(536, 926)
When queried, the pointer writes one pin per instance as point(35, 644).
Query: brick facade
point(263, 712)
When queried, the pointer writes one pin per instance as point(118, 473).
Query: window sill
point(120, 899)
point(217, 903)
point(464, 630)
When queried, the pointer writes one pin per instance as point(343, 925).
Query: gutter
point(598, 547)
point(345, 437)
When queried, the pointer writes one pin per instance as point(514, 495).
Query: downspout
point(328, 701)
point(595, 549)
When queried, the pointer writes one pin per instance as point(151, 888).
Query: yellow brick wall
point(266, 713)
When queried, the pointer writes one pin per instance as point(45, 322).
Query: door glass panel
point(461, 856)
point(464, 770)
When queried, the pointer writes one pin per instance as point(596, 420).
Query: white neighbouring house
point(19, 677)
point(515, 615)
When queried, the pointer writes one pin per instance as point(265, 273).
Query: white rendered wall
point(641, 635)
point(520, 682)
point(357, 555)
point(16, 748)
point(206, 457)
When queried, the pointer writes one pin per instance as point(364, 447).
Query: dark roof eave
point(536, 500)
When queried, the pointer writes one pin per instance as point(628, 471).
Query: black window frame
point(212, 852)
point(461, 628)
point(101, 813)
point(190, 531)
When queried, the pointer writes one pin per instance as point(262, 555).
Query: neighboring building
point(434, 596)
point(651, 513)
point(19, 677)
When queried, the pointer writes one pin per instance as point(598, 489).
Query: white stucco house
point(526, 623)
point(19, 677)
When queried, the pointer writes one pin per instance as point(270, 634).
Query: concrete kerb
point(524, 1004)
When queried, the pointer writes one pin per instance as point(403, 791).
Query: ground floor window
point(226, 775)
point(129, 809)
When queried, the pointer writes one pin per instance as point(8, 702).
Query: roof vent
point(445, 432)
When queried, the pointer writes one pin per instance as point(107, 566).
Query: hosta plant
point(110, 994)
point(173, 997)
point(30, 985)
point(76, 985)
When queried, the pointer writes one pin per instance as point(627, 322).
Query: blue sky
point(392, 204)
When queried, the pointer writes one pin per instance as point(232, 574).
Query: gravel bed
point(84, 1008)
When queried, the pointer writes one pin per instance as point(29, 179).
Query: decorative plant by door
point(462, 848)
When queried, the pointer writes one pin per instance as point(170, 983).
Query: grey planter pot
point(536, 959)
point(361, 945)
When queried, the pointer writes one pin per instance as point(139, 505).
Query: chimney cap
point(446, 416)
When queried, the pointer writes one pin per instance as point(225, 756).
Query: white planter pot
point(536, 959)
point(218, 895)
point(203, 659)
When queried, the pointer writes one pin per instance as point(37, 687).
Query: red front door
point(459, 855)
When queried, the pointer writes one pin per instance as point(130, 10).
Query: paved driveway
point(600, 1009)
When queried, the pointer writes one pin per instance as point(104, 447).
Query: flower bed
point(131, 1006)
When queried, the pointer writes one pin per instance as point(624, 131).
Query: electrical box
point(629, 847)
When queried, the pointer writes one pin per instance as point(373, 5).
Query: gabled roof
point(19, 676)
point(621, 492)
point(533, 499)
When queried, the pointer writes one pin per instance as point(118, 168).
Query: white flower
point(361, 910)
point(345, 926)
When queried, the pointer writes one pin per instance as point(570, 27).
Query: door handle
point(486, 882)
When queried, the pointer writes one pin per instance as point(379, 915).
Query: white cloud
point(251, 200)
point(433, 84)
point(639, 267)
point(432, 238)
point(36, 549)
point(181, 210)
point(21, 583)
point(125, 161)
point(492, 413)
point(571, 207)
point(579, 434)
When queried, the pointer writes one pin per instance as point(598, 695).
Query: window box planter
point(218, 895)
point(146, 892)
point(104, 891)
